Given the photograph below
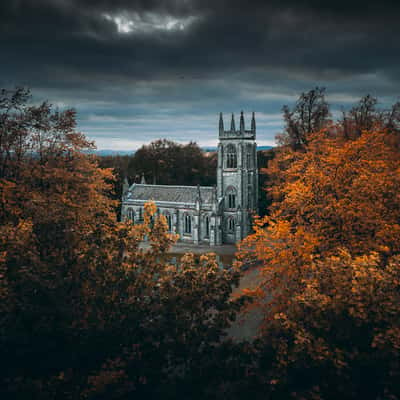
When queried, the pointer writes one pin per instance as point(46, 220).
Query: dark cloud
point(137, 70)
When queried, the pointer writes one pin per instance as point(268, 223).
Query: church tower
point(237, 178)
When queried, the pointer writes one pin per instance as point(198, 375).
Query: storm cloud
point(139, 70)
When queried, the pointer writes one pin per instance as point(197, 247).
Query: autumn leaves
point(329, 253)
point(87, 313)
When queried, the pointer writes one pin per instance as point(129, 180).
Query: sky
point(139, 70)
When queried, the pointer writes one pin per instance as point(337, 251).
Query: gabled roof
point(172, 194)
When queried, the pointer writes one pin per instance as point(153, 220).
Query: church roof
point(172, 194)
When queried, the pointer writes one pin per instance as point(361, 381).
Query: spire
point(241, 122)
point(253, 123)
point(221, 124)
point(233, 123)
point(143, 181)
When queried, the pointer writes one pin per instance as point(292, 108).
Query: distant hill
point(265, 147)
point(105, 152)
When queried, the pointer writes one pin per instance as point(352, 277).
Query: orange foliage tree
point(329, 259)
point(337, 194)
point(339, 338)
point(85, 310)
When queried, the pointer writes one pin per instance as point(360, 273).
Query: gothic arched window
point(231, 225)
point(231, 156)
point(250, 190)
point(131, 214)
point(169, 220)
point(207, 225)
point(188, 223)
point(249, 197)
point(231, 197)
point(249, 156)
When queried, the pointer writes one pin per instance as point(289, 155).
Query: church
point(212, 215)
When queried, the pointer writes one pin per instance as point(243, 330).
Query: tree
point(329, 259)
point(119, 167)
point(365, 116)
point(264, 199)
point(85, 310)
point(338, 193)
point(310, 114)
point(338, 338)
point(169, 163)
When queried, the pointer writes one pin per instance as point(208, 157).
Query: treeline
point(85, 313)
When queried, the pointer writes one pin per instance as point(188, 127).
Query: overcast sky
point(140, 70)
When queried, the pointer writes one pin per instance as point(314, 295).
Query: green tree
point(169, 163)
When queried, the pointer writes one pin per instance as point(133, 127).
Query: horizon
point(210, 148)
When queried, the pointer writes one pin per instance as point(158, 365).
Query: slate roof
point(168, 193)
